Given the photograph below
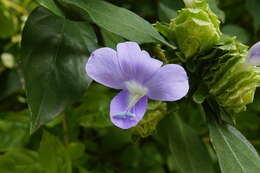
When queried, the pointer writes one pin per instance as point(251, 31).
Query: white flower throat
point(136, 92)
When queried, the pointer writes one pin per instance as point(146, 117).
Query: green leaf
point(54, 157)
point(52, 6)
point(234, 152)
point(119, 21)
point(54, 53)
point(187, 151)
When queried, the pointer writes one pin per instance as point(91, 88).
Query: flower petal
point(254, 55)
point(136, 64)
point(119, 115)
point(169, 83)
point(103, 67)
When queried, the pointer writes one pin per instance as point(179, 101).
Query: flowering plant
point(87, 68)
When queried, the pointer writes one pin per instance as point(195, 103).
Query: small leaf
point(54, 157)
point(234, 152)
point(54, 53)
point(119, 21)
point(188, 152)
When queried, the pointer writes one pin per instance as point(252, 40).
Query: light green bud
point(195, 30)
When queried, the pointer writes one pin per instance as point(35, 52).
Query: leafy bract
point(54, 53)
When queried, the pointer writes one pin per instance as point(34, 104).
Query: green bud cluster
point(230, 80)
point(195, 30)
point(155, 112)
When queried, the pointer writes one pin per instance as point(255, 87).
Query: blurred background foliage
point(85, 141)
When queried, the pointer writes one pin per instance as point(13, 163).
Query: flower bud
point(196, 30)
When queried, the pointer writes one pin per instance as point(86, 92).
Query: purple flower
point(254, 55)
point(139, 77)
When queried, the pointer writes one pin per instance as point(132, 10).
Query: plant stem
point(65, 130)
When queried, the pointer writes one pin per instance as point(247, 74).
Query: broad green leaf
point(253, 7)
point(119, 21)
point(8, 23)
point(234, 152)
point(187, 151)
point(54, 157)
point(54, 54)
point(20, 161)
point(52, 6)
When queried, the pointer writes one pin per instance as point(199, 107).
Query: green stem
point(65, 130)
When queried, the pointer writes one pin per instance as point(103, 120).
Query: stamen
point(136, 92)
